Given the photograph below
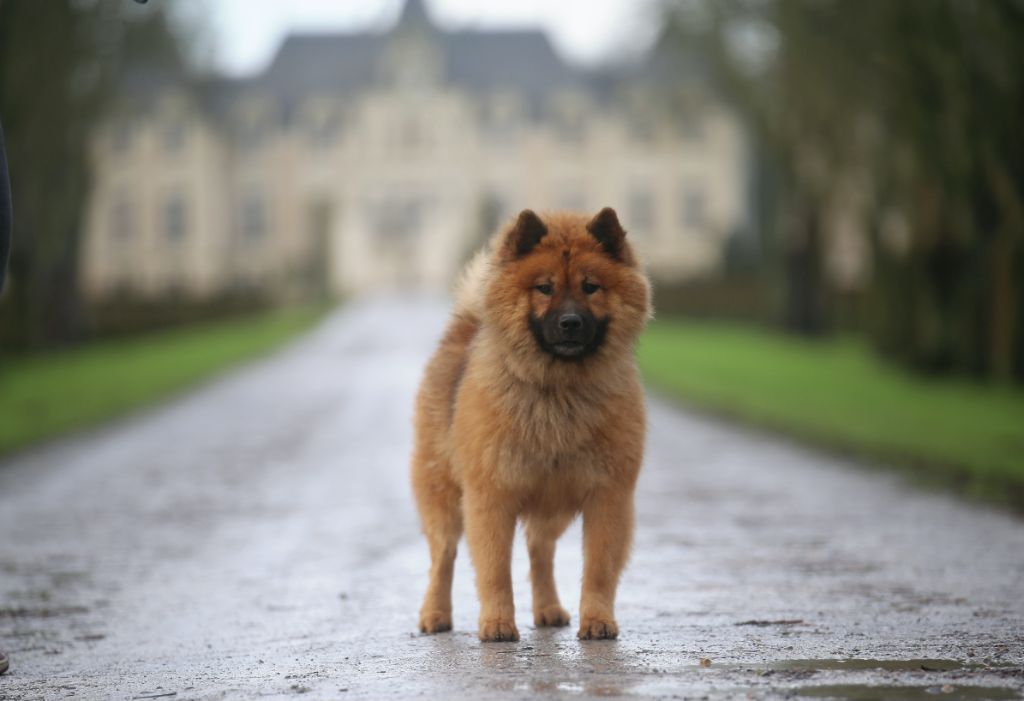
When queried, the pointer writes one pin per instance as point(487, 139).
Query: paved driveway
point(256, 538)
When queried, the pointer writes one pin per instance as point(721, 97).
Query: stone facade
point(369, 161)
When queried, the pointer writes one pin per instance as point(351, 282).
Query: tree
point(60, 63)
point(918, 104)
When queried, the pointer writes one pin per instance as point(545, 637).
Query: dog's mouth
point(574, 346)
point(569, 349)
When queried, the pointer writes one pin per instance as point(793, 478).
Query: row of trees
point(60, 63)
point(906, 114)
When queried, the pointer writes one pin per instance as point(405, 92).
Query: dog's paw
point(553, 615)
point(498, 630)
point(597, 628)
point(435, 622)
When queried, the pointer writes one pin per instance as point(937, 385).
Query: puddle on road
point(40, 611)
point(863, 692)
point(854, 665)
point(857, 664)
point(867, 692)
point(555, 672)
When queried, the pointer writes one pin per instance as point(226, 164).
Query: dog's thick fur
point(511, 424)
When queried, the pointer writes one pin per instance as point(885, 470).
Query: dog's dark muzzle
point(568, 332)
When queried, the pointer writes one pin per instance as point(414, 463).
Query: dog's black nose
point(570, 322)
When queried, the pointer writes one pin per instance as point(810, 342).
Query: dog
point(532, 408)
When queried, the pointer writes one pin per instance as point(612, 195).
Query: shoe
point(5, 662)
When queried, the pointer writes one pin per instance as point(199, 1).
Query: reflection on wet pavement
point(863, 692)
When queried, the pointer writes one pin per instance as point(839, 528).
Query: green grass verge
point(48, 395)
point(838, 394)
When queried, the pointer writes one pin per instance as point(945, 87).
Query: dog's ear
point(605, 227)
point(525, 234)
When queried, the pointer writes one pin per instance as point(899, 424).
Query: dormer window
point(413, 58)
point(321, 125)
point(253, 124)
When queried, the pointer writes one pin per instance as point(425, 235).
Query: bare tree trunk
point(805, 285)
point(1003, 308)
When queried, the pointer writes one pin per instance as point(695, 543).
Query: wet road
point(256, 538)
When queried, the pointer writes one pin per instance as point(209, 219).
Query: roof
point(520, 61)
point(480, 61)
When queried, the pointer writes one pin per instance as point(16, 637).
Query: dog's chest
point(550, 434)
point(559, 419)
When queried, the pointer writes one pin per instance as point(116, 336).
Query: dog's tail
point(472, 285)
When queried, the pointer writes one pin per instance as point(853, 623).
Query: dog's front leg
point(607, 535)
point(490, 519)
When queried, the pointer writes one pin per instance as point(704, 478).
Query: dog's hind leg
point(541, 534)
point(438, 497)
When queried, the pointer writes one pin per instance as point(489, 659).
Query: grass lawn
point(838, 394)
point(48, 395)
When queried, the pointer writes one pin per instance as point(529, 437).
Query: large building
point(362, 161)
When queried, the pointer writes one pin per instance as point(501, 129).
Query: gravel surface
point(257, 538)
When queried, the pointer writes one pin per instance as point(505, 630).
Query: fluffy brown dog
point(532, 408)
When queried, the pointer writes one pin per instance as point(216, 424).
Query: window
point(322, 130)
point(570, 128)
point(319, 218)
point(253, 217)
point(122, 133)
point(411, 134)
point(641, 210)
point(500, 119)
point(567, 121)
point(174, 224)
point(122, 220)
point(316, 268)
point(491, 210)
point(399, 218)
point(252, 131)
point(693, 207)
point(643, 128)
point(408, 134)
point(172, 135)
point(691, 125)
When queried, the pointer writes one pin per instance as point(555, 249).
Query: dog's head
point(568, 286)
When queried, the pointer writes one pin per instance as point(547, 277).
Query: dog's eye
point(590, 288)
point(545, 288)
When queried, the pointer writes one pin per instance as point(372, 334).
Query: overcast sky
point(246, 33)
